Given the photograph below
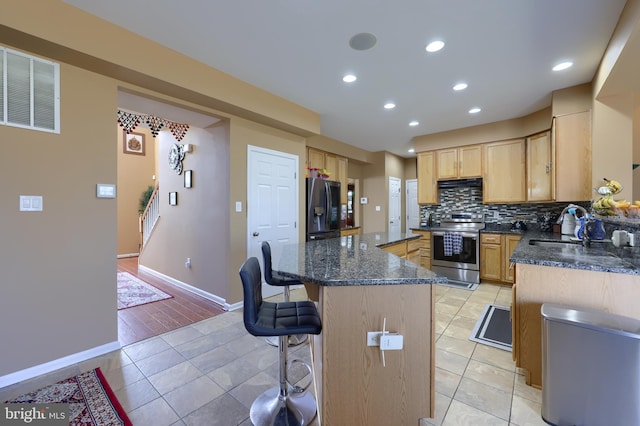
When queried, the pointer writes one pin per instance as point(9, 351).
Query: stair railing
point(151, 214)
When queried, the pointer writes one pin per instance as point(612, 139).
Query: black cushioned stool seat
point(278, 405)
point(276, 279)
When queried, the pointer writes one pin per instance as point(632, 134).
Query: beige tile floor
point(210, 372)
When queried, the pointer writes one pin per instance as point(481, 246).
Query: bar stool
point(278, 405)
point(276, 279)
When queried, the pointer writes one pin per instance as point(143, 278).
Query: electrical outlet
point(373, 338)
point(496, 215)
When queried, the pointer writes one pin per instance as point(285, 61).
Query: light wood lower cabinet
point(495, 251)
point(399, 249)
point(491, 259)
point(425, 248)
point(353, 387)
point(581, 289)
point(349, 231)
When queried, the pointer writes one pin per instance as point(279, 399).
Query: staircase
point(148, 219)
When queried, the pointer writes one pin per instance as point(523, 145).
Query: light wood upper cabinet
point(331, 166)
point(572, 148)
point(539, 168)
point(447, 163)
point(427, 189)
point(504, 177)
point(315, 158)
point(336, 166)
point(458, 163)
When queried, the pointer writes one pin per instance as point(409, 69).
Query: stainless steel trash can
point(590, 367)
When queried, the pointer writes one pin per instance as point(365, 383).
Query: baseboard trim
point(122, 256)
point(56, 364)
point(212, 297)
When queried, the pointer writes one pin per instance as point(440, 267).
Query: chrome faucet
point(568, 209)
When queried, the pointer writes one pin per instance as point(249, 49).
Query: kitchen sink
point(558, 243)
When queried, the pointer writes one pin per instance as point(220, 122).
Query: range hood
point(461, 183)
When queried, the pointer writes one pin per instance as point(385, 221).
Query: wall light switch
point(105, 190)
point(31, 203)
point(377, 208)
point(238, 206)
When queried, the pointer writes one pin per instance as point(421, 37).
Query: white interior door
point(272, 205)
point(412, 207)
point(395, 220)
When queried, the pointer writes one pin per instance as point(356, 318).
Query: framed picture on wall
point(173, 198)
point(188, 175)
point(133, 143)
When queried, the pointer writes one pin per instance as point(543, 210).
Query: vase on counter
point(597, 232)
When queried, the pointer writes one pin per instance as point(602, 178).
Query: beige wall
point(501, 130)
point(135, 174)
point(244, 133)
point(48, 293)
point(196, 228)
point(59, 265)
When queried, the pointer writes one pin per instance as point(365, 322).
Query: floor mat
point(89, 397)
point(493, 328)
point(134, 292)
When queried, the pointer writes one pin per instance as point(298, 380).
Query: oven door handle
point(472, 235)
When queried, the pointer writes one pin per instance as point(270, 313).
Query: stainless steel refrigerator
point(323, 209)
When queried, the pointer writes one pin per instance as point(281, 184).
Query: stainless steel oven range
point(455, 247)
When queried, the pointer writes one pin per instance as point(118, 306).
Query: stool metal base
point(294, 340)
point(297, 409)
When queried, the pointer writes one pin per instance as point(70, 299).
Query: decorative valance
point(129, 121)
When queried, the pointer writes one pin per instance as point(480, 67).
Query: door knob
point(255, 234)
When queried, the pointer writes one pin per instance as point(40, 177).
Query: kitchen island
point(600, 277)
point(358, 286)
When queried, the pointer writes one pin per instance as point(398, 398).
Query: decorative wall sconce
point(176, 155)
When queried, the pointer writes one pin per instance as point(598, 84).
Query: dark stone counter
point(600, 256)
point(353, 260)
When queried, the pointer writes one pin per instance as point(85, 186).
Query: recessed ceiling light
point(349, 78)
point(563, 66)
point(474, 110)
point(389, 105)
point(460, 86)
point(434, 46)
point(412, 150)
point(414, 123)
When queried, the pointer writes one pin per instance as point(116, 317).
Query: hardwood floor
point(144, 321)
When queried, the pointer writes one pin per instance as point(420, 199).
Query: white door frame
point(411, 186)
point(395, 222)
point(253, 244)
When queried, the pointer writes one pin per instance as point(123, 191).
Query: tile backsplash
point(470, 200)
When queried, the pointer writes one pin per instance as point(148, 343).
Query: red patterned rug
point(90, 398)
point(134, 292)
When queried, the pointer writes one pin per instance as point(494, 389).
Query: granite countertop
point(353, 260)
point(600, 256)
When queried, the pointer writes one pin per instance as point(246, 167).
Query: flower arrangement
point(318, 173)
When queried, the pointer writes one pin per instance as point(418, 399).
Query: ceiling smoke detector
point(363, 41)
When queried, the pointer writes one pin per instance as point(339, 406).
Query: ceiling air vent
point(30, 92)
